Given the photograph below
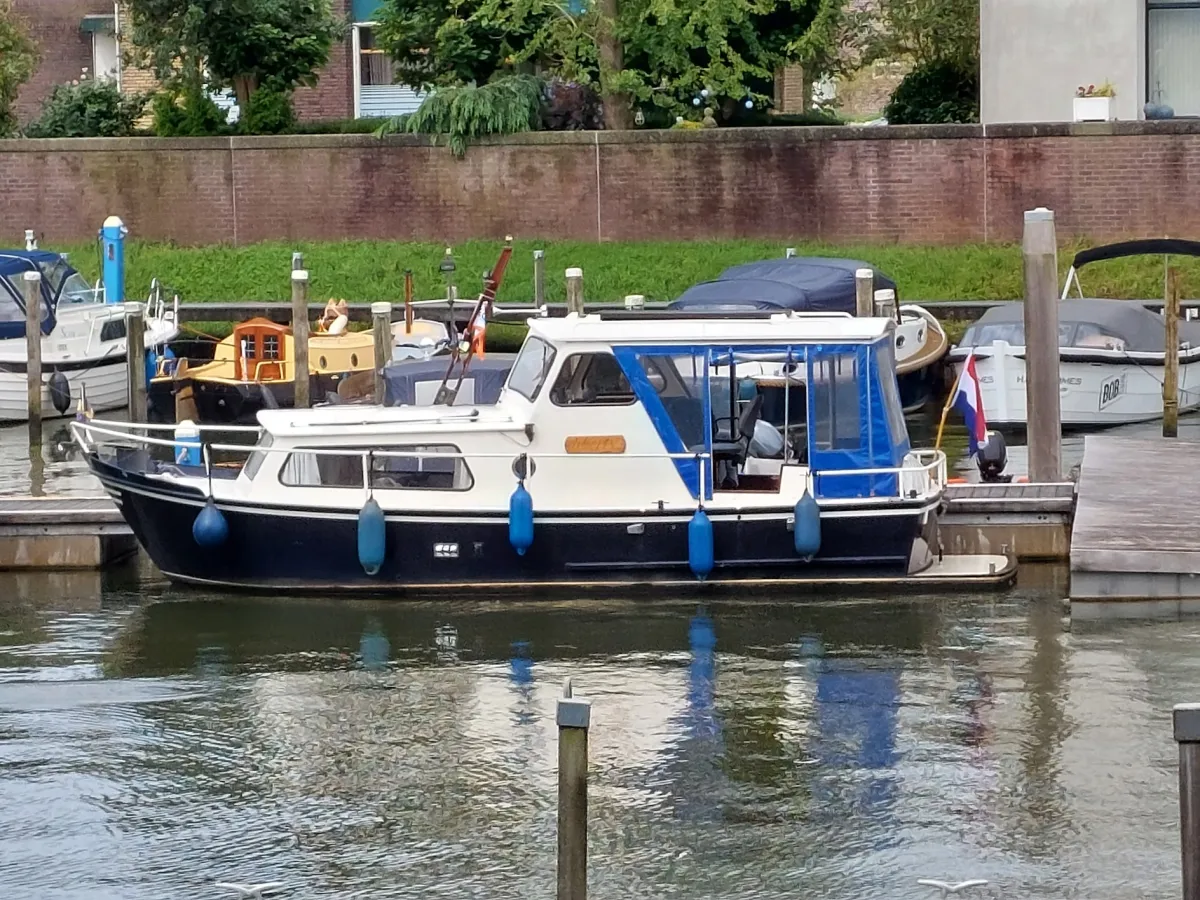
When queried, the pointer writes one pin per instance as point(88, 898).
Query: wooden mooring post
point(300, 337)
point(539, 278)
point(1039, 252)
point(381, 327)
point(1170, 425)
point(31, 285)
point(135, 355)
point(574, 718)
point(864, 293)
point(1186, 717)
point(575, 291)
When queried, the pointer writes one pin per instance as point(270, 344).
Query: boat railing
point(927, 475)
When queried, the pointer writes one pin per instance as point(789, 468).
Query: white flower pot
point(1093, 109)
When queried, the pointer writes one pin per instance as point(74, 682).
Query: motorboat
point(825, 284)
point(624, 447)
point(83, 338)
point(1111, 352)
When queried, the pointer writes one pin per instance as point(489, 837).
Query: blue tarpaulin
point(799, 283)
point(13, 264)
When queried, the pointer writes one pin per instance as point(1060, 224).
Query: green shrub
point(508, 105)
point(935, 93)
point(192, 114)
point(88, 108)
point(269, 111)
point(341, 126)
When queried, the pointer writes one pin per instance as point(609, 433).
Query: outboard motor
point(992, 458)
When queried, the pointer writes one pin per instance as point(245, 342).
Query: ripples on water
point(153, 742)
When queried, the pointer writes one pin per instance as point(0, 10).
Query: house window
point(374, 64)
point(1172, 39)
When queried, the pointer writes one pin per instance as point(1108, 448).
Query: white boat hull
point(1091, 394)
point(107, 389)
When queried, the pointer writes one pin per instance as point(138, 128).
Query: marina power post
point(112, 245)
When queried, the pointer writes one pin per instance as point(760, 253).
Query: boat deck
point(1135, 547)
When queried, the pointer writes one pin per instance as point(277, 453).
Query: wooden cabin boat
point(821, 284)
point(83, 339)
point(1111, 352)
point(620, 450)
point(253, 369)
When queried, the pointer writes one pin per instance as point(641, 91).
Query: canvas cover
point(799, 283)
point(13, 264)
point(1142, 330)
point(488, 374)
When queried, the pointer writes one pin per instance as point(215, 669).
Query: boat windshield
point(66, 284)
point(531, 367)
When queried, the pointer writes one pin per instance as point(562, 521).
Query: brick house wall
point(65, 50)
point(333, 95)
point(942, 184)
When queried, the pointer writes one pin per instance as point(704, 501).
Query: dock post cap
point(789, 252)
point(113, 222)
point(32, 276)
point(1041, 214)
point(1186, 718)
point(573, 713)
point(381, 308)
point(885, 294)
point(299, 274)
point(539, 254)
point(575, 273)
point(133, 307)
point(864, 273)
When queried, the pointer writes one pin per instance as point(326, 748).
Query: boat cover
point(799, 283)
point(401, 379)
point(13, 263)
point(1151, 246)
point(1142, 330)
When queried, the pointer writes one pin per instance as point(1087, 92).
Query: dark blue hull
point(308, 549)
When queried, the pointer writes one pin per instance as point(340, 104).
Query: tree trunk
point(617, 114)
point(243, 87)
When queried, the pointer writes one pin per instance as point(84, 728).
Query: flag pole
point(937, 445)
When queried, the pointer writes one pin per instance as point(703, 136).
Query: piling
point(1186, 718)
point(575, 291)
point(864, 293)
point(539, 278)
point(1170, 424)
point(32, 288)
point(135, 356)
point(574, 718)
point(300, 337)
point(1039, 251)
point(381, 326)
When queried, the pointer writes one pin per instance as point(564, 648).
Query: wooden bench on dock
point(62, 533)
point(1135, 549)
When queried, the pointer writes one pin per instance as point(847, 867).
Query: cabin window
point(680, 383)
point(531, 367)
point(255, 460)
point(247, 344)
point(837, 424)
point(112, 330)
point(891, 396)
point(591, 379)
point(431, 467)
point(271, 346)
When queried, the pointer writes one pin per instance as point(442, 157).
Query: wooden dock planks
point(62, 533)
point(1136, 535)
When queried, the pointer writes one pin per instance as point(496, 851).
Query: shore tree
point(18, 58)
point(642, 54)
point(280, 44)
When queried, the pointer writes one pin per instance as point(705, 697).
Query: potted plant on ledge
point(1094, 104)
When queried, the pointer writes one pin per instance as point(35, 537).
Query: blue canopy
point(13, 263)
point(488, 375)
point(798, 283)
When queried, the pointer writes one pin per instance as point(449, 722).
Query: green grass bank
point(374, 270)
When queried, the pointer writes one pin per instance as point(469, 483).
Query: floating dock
point(1135, 545)
point(62, 533)
point(1031, 522)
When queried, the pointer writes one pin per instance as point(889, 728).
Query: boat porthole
point(353, 360)
point(921, 334)
point(899, 340)
point(321, 362)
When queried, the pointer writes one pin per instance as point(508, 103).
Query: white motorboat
point(639, 449)
point(83, 339)
point(1111, 353)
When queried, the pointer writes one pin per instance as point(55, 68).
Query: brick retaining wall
point(922, 185)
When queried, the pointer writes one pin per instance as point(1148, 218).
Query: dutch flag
point(968, 400)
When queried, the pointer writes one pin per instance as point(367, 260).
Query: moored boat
point(83, 338)
point(1111, 352)
point(623, 448)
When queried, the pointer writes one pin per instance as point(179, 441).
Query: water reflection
point(372, 749)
